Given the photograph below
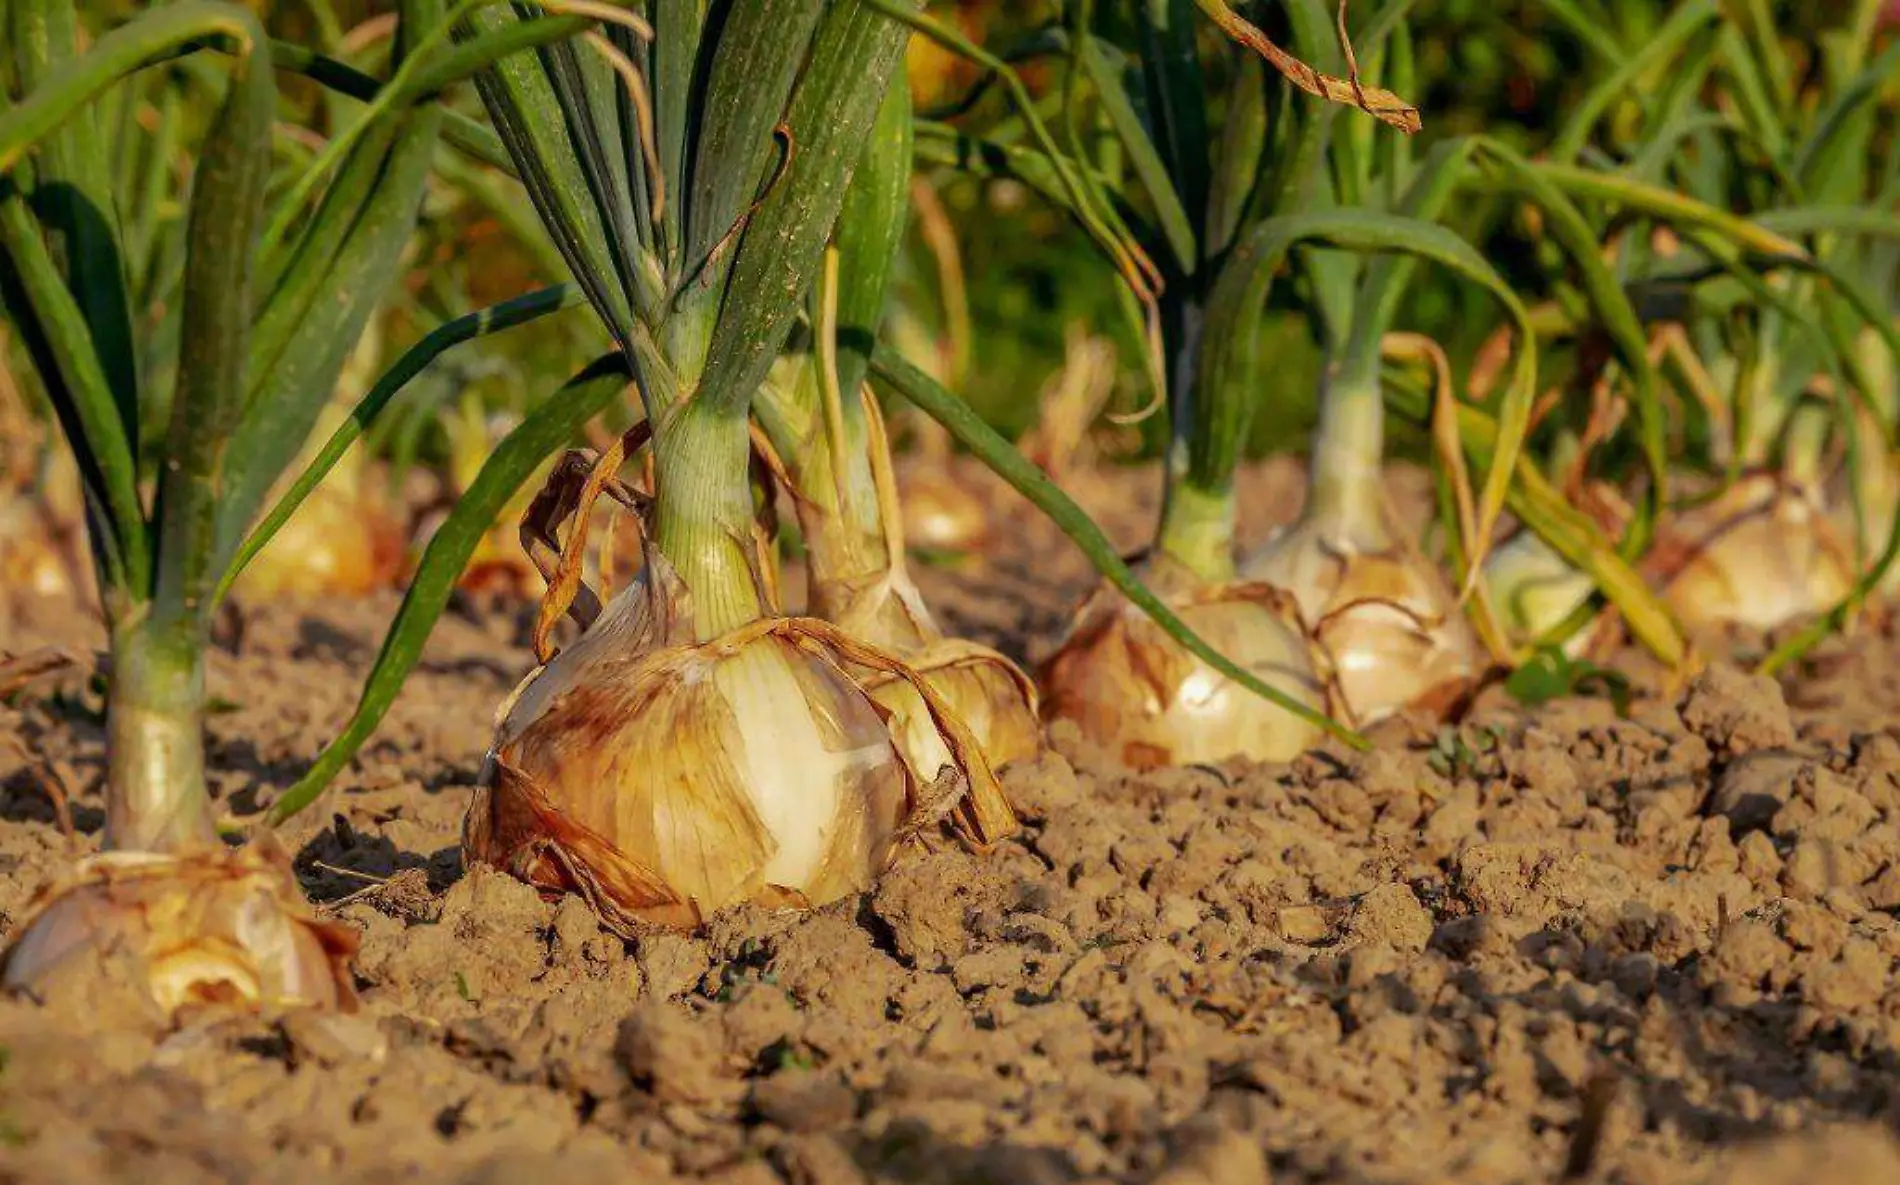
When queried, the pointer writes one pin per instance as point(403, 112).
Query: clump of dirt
point(1640, 948)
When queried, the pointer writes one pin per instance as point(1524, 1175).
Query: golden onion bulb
point(1136, 692)
point(990, 694)
point(664, 780)
point(29, 555)
point(342, 542)
point(1533, 589)
point(1759, 555)
point(1384, 618)
point(218, 927)
point(939, 512)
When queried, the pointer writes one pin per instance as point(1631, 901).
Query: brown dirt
point(1643, 949)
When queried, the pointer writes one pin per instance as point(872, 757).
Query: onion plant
point(275, 286)
point(694, 748)
point(1221, 215)
point(690, 171)
point(1385, 617)
point(1773, 335)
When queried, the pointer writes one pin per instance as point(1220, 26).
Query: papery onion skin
point(1384, 618)
point(993, 698)
point(217, 927)
point(1134, 691)
point(1760, 555)
point(665, 780)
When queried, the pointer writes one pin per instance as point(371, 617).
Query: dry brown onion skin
point(1135, 692)
point(1384, 620)
point(992, 695)
point(164, 933)
point(1760, 555)
point(664, 780)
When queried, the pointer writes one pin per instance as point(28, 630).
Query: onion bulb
point(941, 513)
point(1759, 555)
point(988, 693)
point(29, 555)
point(1533, 589)
point(664, 780)
point(1135, 691)
point(1382, 617)
point(860, 579)
point(342, 542)
point(207, 927)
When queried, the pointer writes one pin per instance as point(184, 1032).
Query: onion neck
point(703, 515)
point(1345, 492)
point(849, 554)
point(854, 575)
point(156, 799)
point(1763, 414)
point(1197, 530)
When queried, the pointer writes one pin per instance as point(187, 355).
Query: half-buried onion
point(665, 779)
point(1760, 554)
point(1383, 616)
point(1135, 691)
point(161, 932)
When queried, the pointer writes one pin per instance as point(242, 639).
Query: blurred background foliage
point(993, 281)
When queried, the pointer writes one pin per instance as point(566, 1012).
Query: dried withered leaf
point(1381, 104)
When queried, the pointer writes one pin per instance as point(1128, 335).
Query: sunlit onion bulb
point(29, 558)
point(1383, 616)
point(1134, 691)
point(1759, 555)
point(940, 513)
point(991, 696)
point(224, 927)
point(665, 780)
point(987, 691)
point(340, 543)
point(1533, 589)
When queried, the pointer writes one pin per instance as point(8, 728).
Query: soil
point(1650, 947)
